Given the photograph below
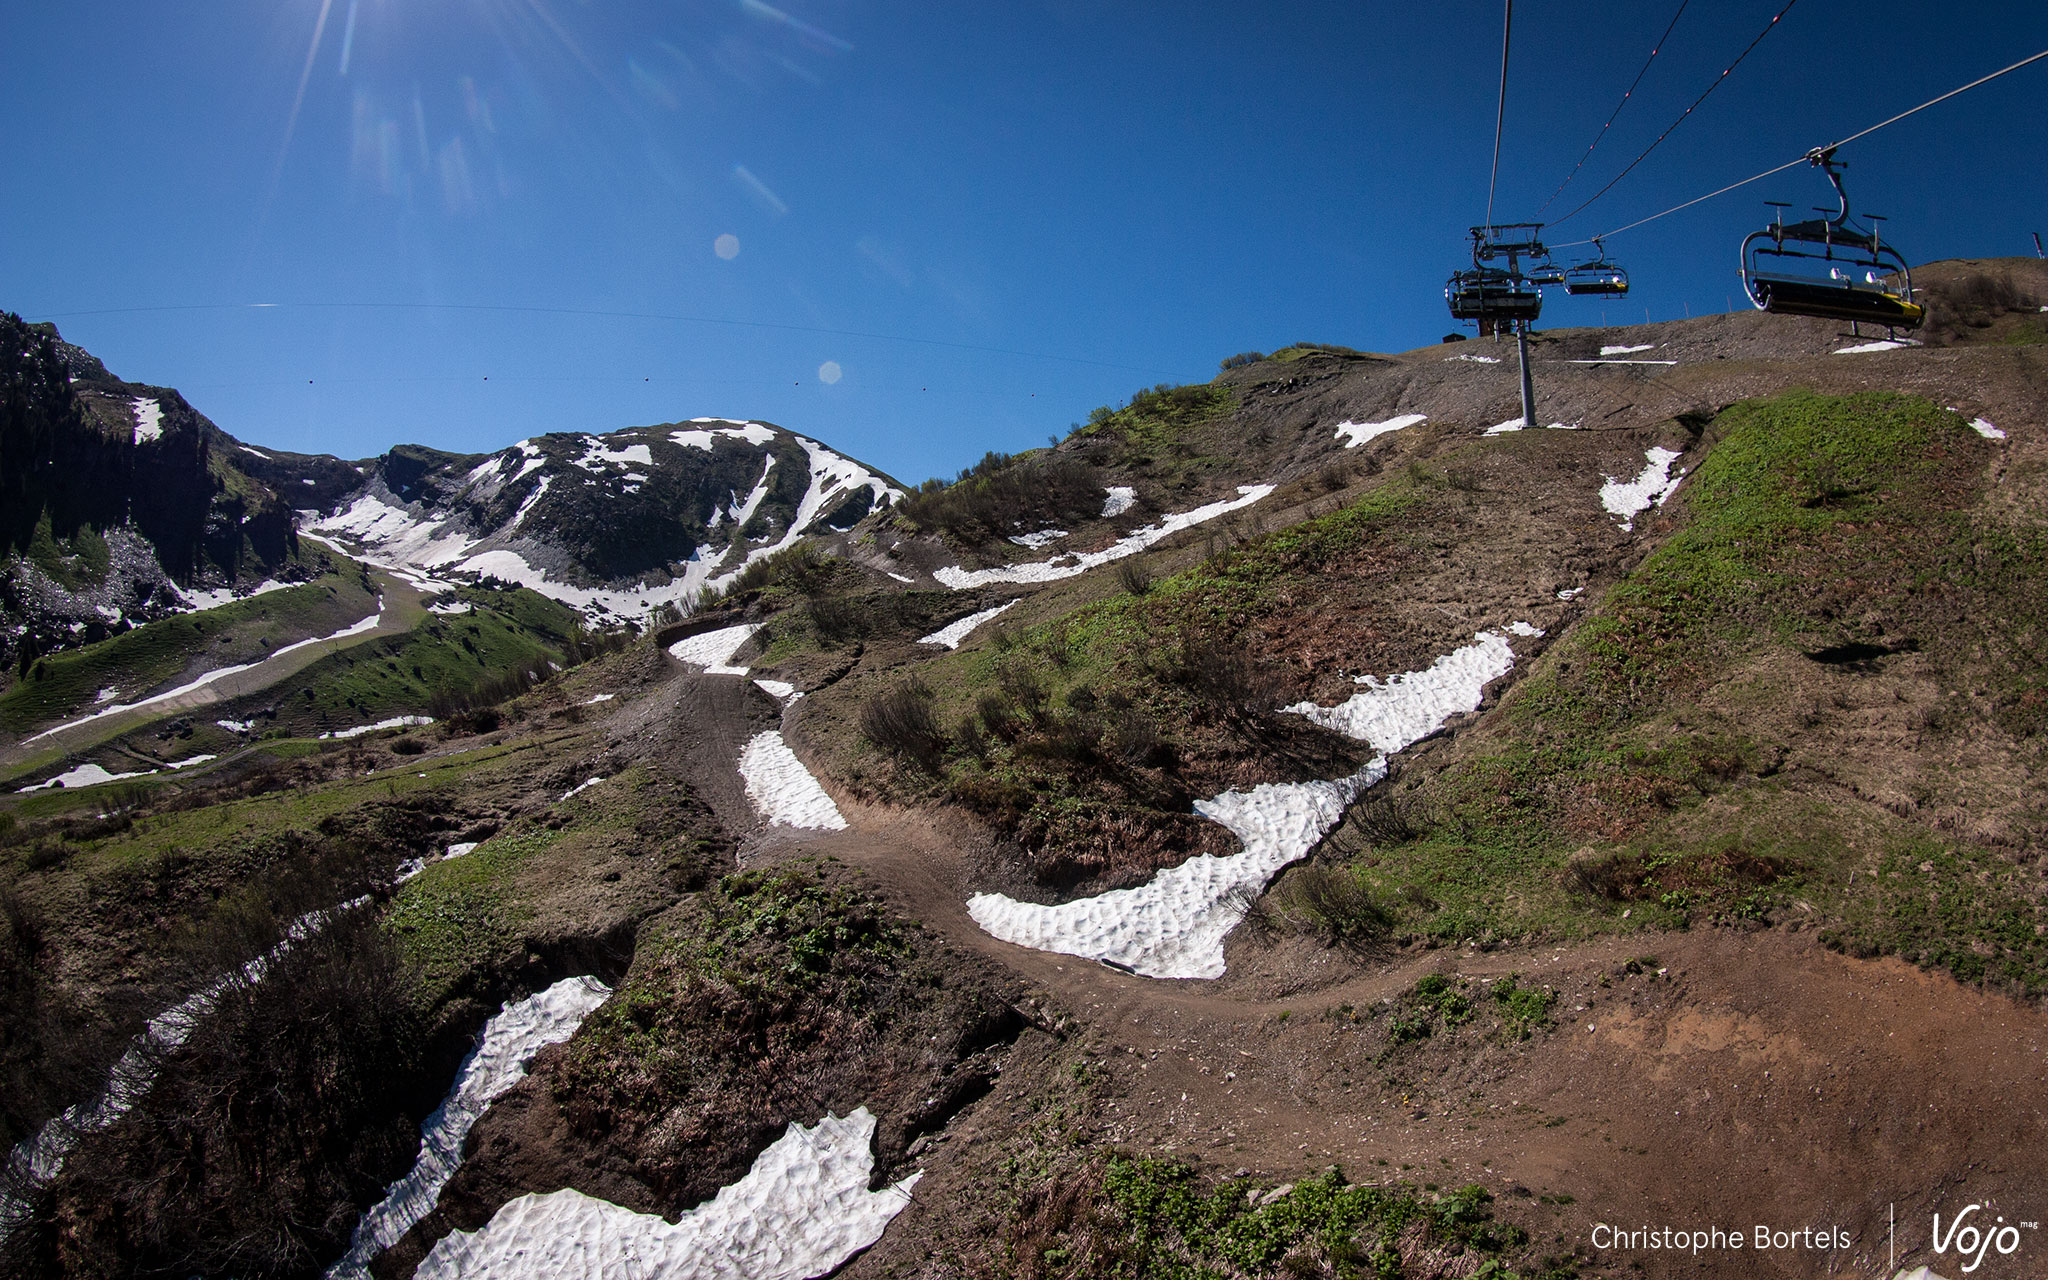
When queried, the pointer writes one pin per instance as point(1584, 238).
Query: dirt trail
point(1751, 1077)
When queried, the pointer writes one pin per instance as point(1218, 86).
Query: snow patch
point(1402, 710)
point(953, 633)
point(1887, 344)
point(1984, 428)
point(803, 1209)
point(1080, 562)
point(1628, 499)
point(258, 452)
point(218, 596)
point(149, 420)
point(1627, 351)
point(1477, 359)
point(236, 726)
point(713, 650)
point(578, 789)
point(1120, 498)
point(780, 690)
point(751, 432)
point(85, 775)
point(1361, 432)
point(1570, 593)
point(594, 699)
point(189, 761)
point(1174, 925)
point(783, 790)
point(597, 455)
point(509, 1042)
point(1044, 537)
point(395, 722)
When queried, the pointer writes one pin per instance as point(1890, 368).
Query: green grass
point(459, 913)
point(1162, 1219)
point(1808, 515)
point(157, 653)
point(1095, 707)
point(506, 632)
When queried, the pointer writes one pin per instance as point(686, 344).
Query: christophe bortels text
point(1697, 1240)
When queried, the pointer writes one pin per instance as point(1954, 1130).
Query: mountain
point(123, 504)
point(618, 524)
point(119, 502)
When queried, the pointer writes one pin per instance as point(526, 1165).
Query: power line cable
point(1500, 115)
point(1654, 51)
point(1718, 81)
point(1806, 159)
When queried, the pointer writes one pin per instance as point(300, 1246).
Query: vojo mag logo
point(1975, 1233)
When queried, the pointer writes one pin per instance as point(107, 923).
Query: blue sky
point(485, 219)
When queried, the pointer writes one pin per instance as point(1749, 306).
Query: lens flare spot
point(726, 246)
point(830, 372)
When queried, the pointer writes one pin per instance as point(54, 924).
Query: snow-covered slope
point(618, 524)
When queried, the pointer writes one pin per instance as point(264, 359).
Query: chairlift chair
point(1500, 297)
point(1597, 277)
point(1490, 293)
point(1829, 267)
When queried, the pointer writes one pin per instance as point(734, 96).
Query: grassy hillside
point(168, 652)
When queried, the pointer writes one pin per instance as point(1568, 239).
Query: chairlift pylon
point(1829, 267)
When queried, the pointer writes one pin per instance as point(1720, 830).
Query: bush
point(1133, 577)
point(1241, 359)
point(900, 721)
point(265, 1130)
point(1335, 904)
point(1002, 493)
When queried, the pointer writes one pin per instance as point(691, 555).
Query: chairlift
point(1501, 297)
point(1492, 293)
point(1597, 277)
point(1829, 267)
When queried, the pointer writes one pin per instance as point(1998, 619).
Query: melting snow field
point(509, 1042)
point(953, 633)
point(395, 722)
point(218, 596)
point(780, 690)
point(1354, 434)
point(713, 650)
point(783, 790)
point(1174, 925)
point(1118, 499)
point(801, 1211)
point(1628, 499)
point(1075, 563)
point(1516, 424)
point(85, 775)
point(218, 673)
point(149, 420)
point(1402, 710)
point(751, 432)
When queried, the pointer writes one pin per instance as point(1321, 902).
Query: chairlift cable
point(1500, 116)
point(1682, 116)
point(1789, 164)
point(1654, 51)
